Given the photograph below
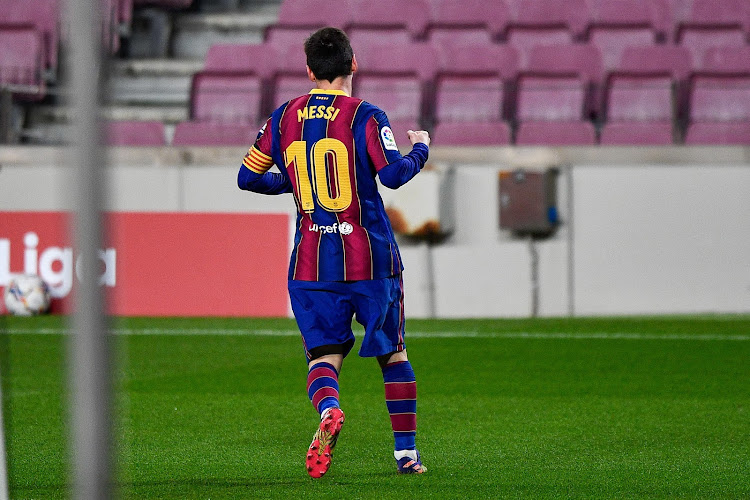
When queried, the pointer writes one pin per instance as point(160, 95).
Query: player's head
point(329, 54)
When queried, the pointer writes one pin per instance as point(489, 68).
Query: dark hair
point(329, 54)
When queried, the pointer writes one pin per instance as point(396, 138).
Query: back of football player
point(329, 147)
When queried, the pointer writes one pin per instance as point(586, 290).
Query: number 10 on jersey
point(324, 153)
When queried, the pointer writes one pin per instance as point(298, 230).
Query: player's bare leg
point(322, 386)
point(401, 400)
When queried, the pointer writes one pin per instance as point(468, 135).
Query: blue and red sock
point(401, 400)
point(323, 386)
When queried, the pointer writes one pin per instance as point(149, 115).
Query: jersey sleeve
point(381, 144)
point(258, 158)
point(254, 175)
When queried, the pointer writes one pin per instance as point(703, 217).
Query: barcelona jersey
point(329, 148)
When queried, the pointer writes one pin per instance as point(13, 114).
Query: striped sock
point(323, 387)
point(401, 400)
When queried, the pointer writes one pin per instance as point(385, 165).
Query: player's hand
point(419, 136)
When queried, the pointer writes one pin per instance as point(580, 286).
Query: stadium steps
point(194, 33)
point(153, 82)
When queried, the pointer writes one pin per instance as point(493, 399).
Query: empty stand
point(455, 16)
point(720, 98)
point(135, 133)
point(214, 134)
point(459, 36)
point(314, 14)
point(388, 18)
point(169, 4)
point(669, 59)
point(545, 22)
point(229, 97)
point(256, 58)
point(612, 42)
point(470, 95)
point(395, 78)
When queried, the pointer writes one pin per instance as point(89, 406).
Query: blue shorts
point(324, 312)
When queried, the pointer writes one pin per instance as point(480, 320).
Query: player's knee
point(393, 357)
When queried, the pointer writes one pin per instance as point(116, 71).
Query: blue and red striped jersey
point(329, 147)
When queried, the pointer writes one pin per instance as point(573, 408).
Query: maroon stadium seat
point(256, 58)
point(21, 57)
point(135, 133)
point(632, 14)
point(459, 36)
point(229, 97)
point(727, 60)
point(716, 97)
point(557, 133)
point(699, 40)
point(726, 133)
point(716, 14)
point(395, 78)
point(541, 22)
point(612, 41)
point(551, 98)
point(214, 134)
point(390, 15)
point(42, 14)
point(399, 128)
point(656, 133)
point(471, 133)
point(289, 75)
point(470, 94)
point(639, 109)
point(668, 59)
point(490, 16)
point(526, 40)
point(314, 14)
point(363, 36)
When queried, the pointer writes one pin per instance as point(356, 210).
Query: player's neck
point(343, 83)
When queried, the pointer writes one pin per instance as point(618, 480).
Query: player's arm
point(393, 169)
point(254, 175)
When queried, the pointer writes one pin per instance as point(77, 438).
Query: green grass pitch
point(548, 408)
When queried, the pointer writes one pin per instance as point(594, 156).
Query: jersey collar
point(329, 91)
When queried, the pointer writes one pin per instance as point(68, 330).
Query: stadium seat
point(545, 22)
point(716, 14)
point(727, 60)
point(363, 36)
point(488, 16)
point(699, 40)
point(470, 95)
point(654, 15)
point(390, 16)
point(715, 97)
point(557, 133)
point(674, 60)
point(639, 109)
point(135, 133)
point(22, 59)
point(196, 133)
point(289, 76)
point(44, 15)
point(396, 78)
point(612, 41)
point(256, 58)
point(718, 133)
point(229, 97)
point(314, 14)
point(551, 98)
point(440, 37)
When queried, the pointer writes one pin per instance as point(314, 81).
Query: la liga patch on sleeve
point(389, 142)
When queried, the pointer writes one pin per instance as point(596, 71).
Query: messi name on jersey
point(328, 112)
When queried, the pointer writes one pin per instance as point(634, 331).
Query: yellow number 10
point(323, 153)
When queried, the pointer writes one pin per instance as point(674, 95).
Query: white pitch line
point(409, 334)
